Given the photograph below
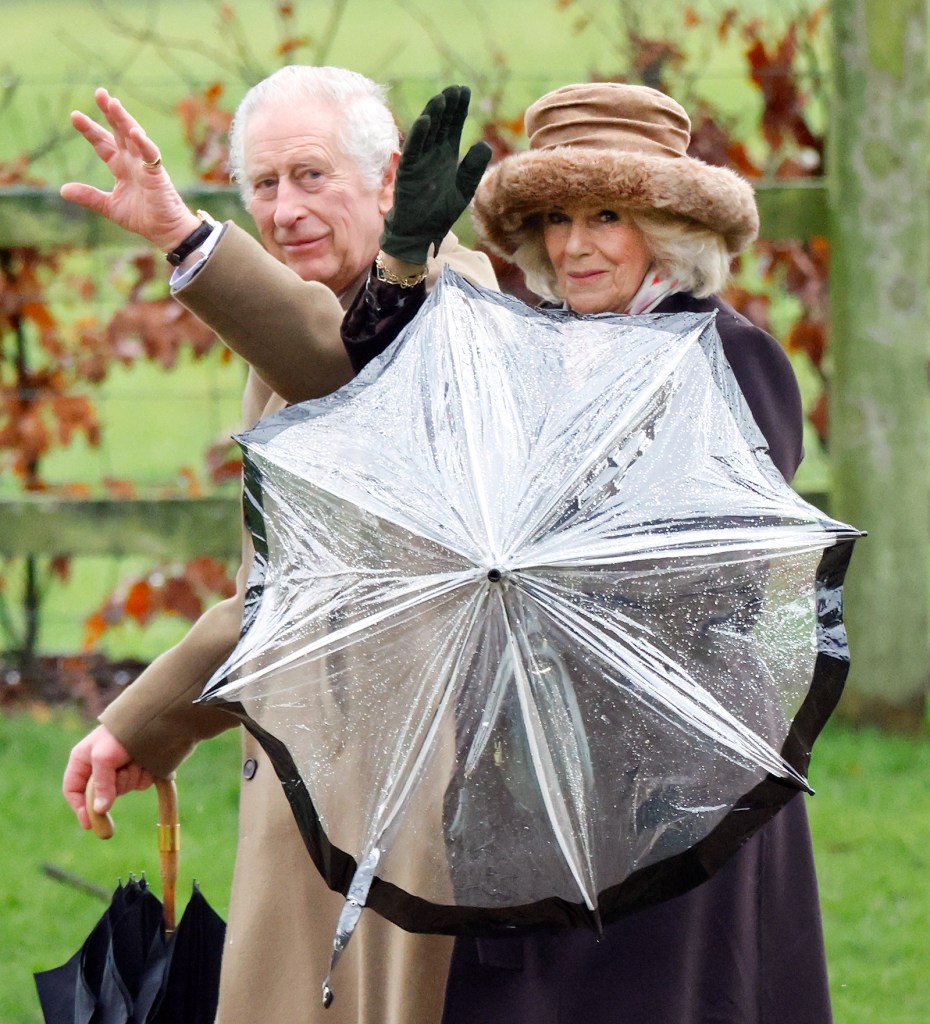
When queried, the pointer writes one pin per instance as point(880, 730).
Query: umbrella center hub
point(495, 575)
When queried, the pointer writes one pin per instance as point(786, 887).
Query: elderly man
point(315, 151)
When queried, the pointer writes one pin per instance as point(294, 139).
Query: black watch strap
point(195, 239)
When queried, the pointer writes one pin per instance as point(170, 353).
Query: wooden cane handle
point(169, 846)
point(102, 824)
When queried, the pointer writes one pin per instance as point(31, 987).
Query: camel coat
point(281, 915)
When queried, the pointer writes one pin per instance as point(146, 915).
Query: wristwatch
point(196, 238)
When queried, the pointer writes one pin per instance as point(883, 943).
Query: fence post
point(879, 410)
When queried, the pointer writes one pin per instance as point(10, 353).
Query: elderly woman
point(606, 212)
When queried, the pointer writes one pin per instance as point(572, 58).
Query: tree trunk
point(880, 218)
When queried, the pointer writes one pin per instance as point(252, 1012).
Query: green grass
point(44, 921)
point(871, 822)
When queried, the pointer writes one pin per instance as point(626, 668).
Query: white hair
point(367, 131)
point(679, 248)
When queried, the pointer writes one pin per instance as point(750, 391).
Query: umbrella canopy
point(536, 632)
point(135, 966)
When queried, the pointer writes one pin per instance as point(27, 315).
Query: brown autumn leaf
point(125, 490)
point(819, 417)
point(192, 485)
point(813, 21)
point(727, 21)
point(147, 270)
point(803, 270)
point(28, 437)
point(210, 575)
point(808, 336)
point(291, 44)
point(753, 305)
point(205, 126)
point(95, 626)
point(75, 414)
point(226, 471)
point(651, 57)
point(162, 326)
point(139, 601)
point(773, 72)
point(178, 597)
point(16, 172)
point(500, 146)
point(223, 461)
point(60, 568)
point(39, 314)
point(713, 143)
point(73, 490)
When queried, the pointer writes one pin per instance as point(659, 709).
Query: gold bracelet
point(389, 277)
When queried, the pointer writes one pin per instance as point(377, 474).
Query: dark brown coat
point(746, 947)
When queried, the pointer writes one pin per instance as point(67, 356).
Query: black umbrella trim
point(253, 514)
point(644, 888)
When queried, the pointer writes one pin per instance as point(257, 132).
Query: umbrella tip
point(327, 995)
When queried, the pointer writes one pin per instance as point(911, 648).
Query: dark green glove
point(432, 188)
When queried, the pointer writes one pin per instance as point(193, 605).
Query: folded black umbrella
point(135, 966)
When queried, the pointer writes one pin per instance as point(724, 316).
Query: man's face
point(312, 208)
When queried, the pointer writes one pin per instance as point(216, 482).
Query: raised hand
point(143, 199)
point(432, 188)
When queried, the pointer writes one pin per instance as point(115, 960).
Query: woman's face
point(599, 258)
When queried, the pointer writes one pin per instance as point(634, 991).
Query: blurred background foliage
point(110, 390)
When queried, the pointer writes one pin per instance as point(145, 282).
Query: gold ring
point(150, 165)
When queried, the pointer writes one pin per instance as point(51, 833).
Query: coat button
point(249, 767)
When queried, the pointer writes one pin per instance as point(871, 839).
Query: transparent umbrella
point(536, 633)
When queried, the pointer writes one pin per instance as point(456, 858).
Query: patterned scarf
point(651, 292)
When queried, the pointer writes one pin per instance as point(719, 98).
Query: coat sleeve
point(155, 718)
point(473, 266)
point(381, 311)
point(767, 381)
point(286, 328)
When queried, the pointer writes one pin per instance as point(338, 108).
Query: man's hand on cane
point(101, 756)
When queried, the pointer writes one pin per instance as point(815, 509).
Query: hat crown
point(610, 115)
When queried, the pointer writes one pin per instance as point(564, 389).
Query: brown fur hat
point(616, 144)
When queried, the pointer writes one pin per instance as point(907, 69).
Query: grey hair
point(679, 248)
point(367, 131)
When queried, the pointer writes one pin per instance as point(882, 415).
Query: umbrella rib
point(447, 585)
point(373, 502)
point(710, 718)
point(645, 397)
point(477, 476)
point(435, 723)
point(522, 685)
point(797, 538)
